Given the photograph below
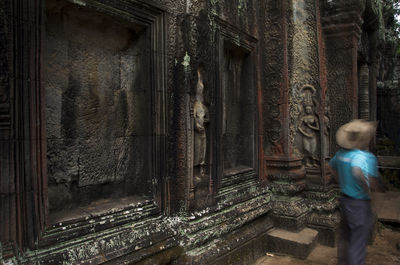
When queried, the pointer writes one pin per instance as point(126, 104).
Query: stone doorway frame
point(227, 34)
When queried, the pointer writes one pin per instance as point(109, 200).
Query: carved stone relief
point(273, 75)
point(340, 67)
point(326, 130)
point(99, 120)
point(199, 175)
point(363, 92)
point(201, 119)
point(303, 62)
point(309, 127)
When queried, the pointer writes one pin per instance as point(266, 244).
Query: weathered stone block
point(297, 244)
point(326, 235)
point(290, 223)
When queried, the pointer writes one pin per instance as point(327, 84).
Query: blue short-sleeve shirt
point(344, 161)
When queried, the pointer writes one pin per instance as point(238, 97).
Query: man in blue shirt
point(356, 171)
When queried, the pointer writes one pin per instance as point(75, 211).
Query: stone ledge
point(241, 246)
point(297, 244)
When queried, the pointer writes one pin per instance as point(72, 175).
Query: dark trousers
point(355, 229)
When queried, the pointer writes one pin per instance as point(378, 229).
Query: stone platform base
point(241, 247)
point(297, 244)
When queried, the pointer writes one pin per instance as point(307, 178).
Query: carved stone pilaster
point(341, 28)
point(363, 99)
point(7, 185)
point(287, 181)
point(323, 215)
point(286, 175)
point(289, 213)
point(22, 145)
point(275, 79)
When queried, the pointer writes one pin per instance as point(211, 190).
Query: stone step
point(297, 244)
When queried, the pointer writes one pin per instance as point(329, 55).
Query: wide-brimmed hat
point(356, 134)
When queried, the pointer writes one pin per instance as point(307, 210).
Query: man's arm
point(334, 174)
point(376, 185)
point(357, 172)
point(333, 170)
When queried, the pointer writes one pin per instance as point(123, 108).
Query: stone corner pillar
point(341, 30)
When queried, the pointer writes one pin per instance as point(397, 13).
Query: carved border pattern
point(273, 73)
point(5, 121)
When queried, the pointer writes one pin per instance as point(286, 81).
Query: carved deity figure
point(200, 115)
point(327, 128)
point(308, 127)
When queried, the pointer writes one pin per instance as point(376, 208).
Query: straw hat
point(356, 134)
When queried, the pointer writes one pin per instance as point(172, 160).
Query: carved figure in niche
point(201, 118)
point(327, 128)
point(308, 127)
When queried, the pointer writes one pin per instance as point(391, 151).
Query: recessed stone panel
point(238, 109)
point(98, 106)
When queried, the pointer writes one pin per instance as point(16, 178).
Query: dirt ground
point(385, 250)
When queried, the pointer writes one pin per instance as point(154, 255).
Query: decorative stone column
point(340, 31)
point(22, 142)
point(364, 103)
point(342, 28)
point(295, 78)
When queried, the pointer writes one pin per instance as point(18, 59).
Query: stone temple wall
point(170, 132)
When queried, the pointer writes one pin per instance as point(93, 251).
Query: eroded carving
point(303, 63)
point(309, 127)
point(273, 74)
point(327, 129)
point(201, 119)
point(101, 112)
